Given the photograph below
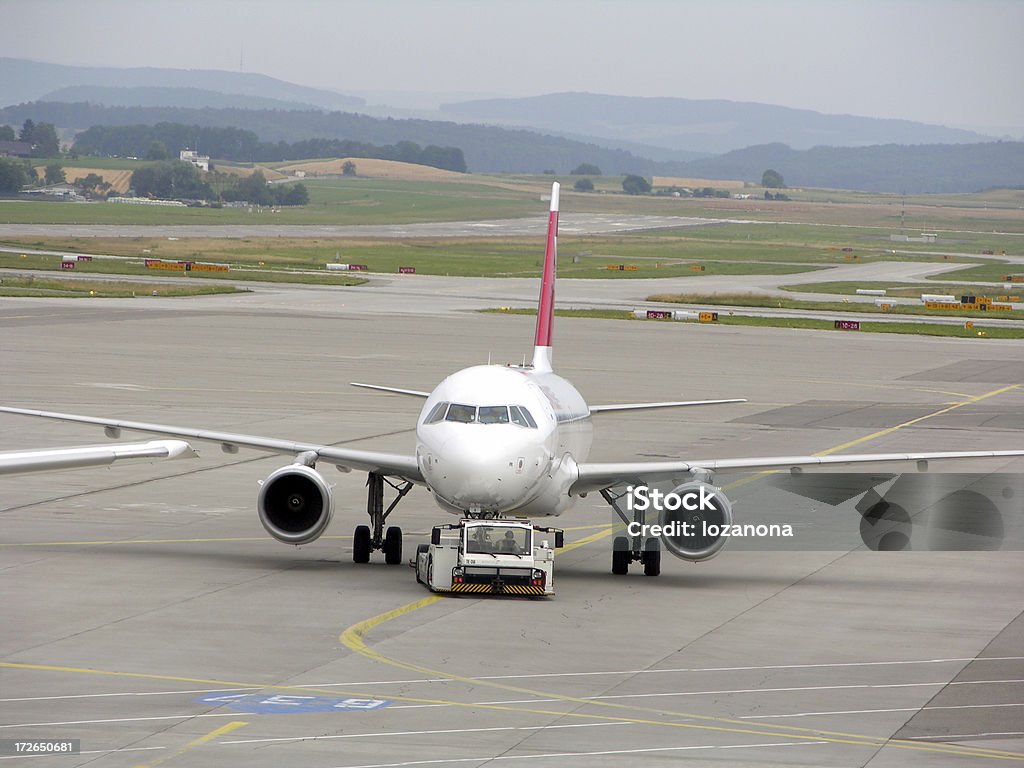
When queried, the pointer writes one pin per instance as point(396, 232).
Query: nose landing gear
point(368, 538)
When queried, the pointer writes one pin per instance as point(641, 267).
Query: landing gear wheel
point(620, 556)
point(393, 546)
point(361, 544)
point(651, 557)
point(420, 550)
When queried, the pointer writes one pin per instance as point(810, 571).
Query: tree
point(292, 194)
point(171, 180)
point(157, 151)
point(54, 174)
point(12, 175)
point(348, 168)
point(44, 140)
point(6, 133)
point(26, 132)
point(584, 185)
point(585, 169)
point(772, 179)
point(92, 185)
point(635, 185)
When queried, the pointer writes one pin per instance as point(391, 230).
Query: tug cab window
point(489, 540)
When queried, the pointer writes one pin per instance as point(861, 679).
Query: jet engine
point(295, 504)
point(695, 519)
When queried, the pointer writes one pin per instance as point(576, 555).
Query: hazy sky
point(955, 62)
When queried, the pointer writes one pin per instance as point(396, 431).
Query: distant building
point(65, 191)
point(15, 149)
point(202, 162)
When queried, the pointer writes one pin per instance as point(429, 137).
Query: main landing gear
point(632, 549)
point(368, 538)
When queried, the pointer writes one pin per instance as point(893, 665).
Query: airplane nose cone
point(485, 471)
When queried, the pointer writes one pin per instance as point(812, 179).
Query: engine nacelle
point(703, 535)
point(295, 504)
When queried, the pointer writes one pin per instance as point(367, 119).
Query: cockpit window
point(493, 414)
point(436, 413)
point(527, 416)
point(464, 414)
point(485, 414)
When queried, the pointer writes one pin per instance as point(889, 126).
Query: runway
point(570, 224)
point(147, 614)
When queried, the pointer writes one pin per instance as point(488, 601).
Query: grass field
point(989, 273)
point(787, 237)
point(502, 257)
point(777, 302)
point(973, 218)
point(906, 290)
point(103, 289)
point(922, 329)
point(137, 267)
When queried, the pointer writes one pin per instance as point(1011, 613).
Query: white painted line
point(964, 736)
point(584, 754)
point(131, 693)
point(669, 671)
point(89, 752)
point(123, 720)
point(864, 686)
point(380, 734)
point(873, 711)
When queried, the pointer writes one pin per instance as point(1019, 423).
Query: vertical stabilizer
point(546, 304)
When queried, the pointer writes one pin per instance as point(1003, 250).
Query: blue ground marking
point(281, 704)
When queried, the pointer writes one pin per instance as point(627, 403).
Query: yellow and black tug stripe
point(507, 589)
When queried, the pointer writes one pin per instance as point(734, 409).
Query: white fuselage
point(502, 440)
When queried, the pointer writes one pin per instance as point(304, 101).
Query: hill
point(925, 169)
point(24, 80)
point(490, 149)
point(709, 126)
point(487, 149)
point(160, 96)
point(372, 168)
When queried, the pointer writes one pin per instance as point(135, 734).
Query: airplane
point(493, 441)
point(50, 459)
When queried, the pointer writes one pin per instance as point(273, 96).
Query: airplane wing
point(391, 464)
point(593, 409)
point(394, 390)
point(16, 462)
point(648, 406)
point(596, 477)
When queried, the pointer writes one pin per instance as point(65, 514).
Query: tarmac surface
point(147, 614)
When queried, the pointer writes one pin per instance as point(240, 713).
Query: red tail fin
point(546, 305)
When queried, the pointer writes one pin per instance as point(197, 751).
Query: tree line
point(242, 145)
point(176, 180)
point(485, 148)
point(42, 137)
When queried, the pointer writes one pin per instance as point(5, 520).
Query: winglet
point(546, 304)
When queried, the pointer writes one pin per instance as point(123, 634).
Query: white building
point(201, 162)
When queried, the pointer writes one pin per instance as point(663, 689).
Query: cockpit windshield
point(498, 540)
point(484, 414)
point(464, 414)
point(492, 414)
